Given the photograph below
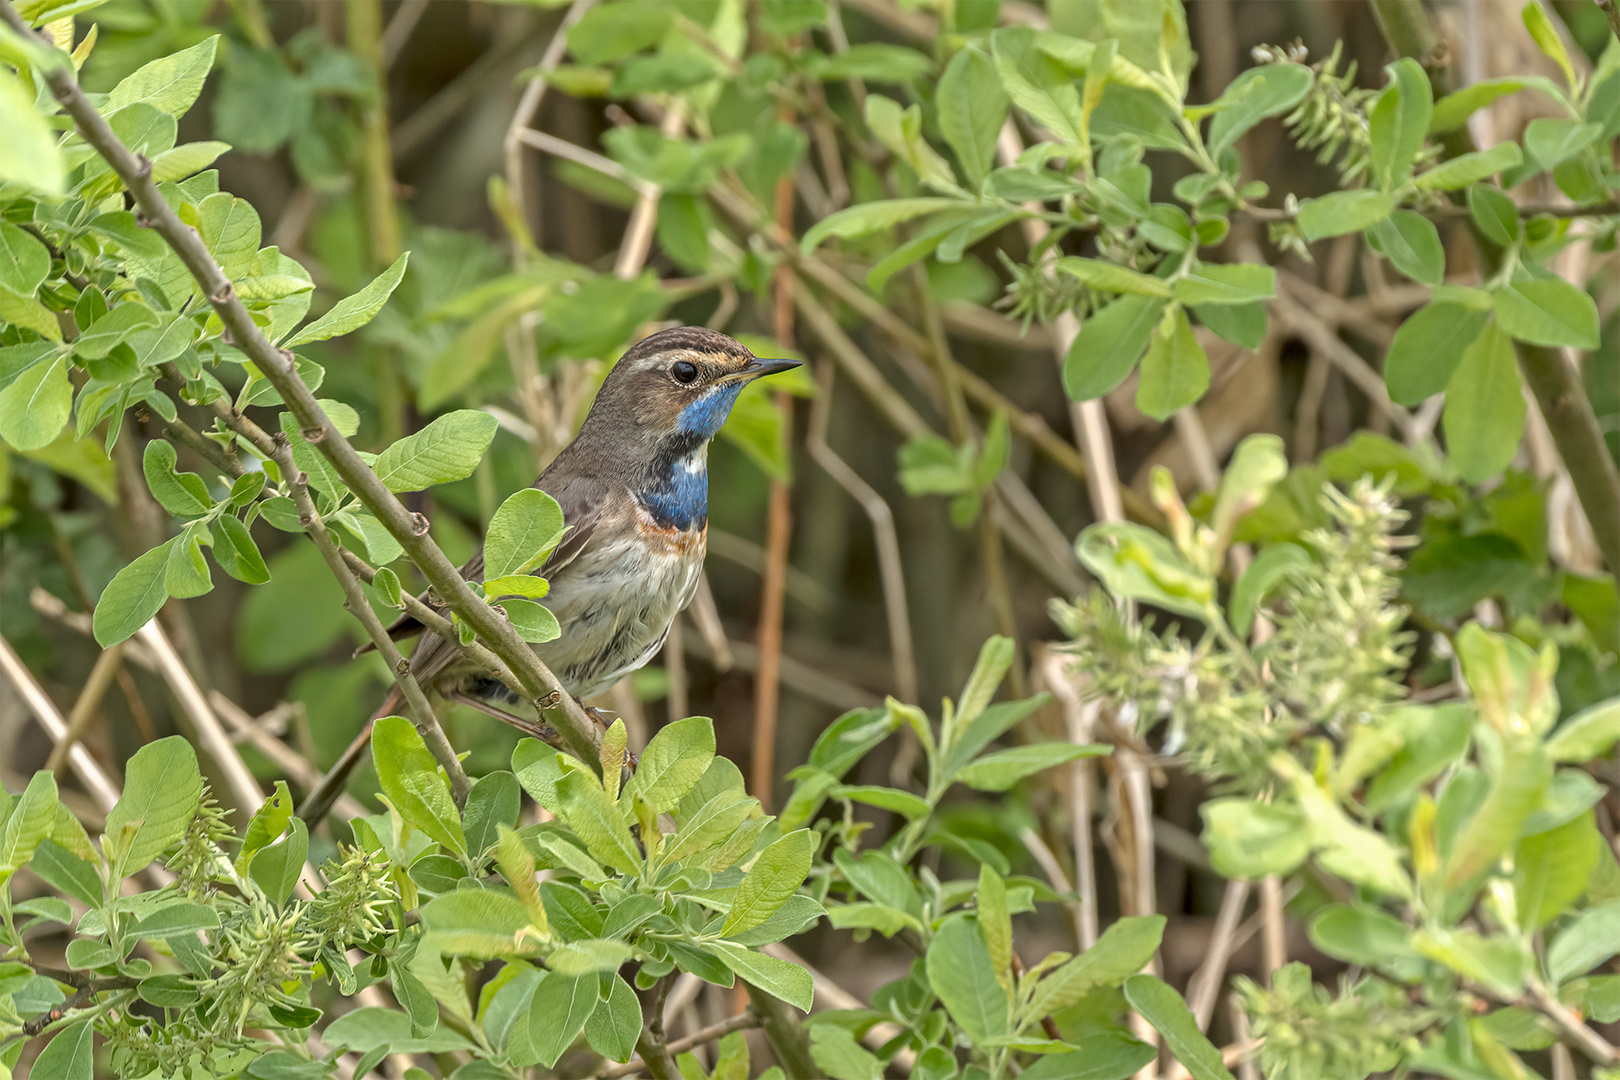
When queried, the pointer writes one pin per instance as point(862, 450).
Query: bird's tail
point(320, 799)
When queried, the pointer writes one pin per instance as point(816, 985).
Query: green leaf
point(617, 30)
point(447, 449)
point(1548, 311)
point(1107, 1055)
point(30, 822)
point(1547, 39)
point(1412, 243)
point(410, 778)
point(1227, 283)
point(1360, 935)
point(1495, 213)
point(133, 596)
point(1495, 962)
point(1550, 870)
point(873, 61)
point(182, 161)
point(587, 810)
point(863, 219)
point(495, 800)
point(24, 261)
point(1004, 768)
point(1398, 122)
point(1343, 212)
point(184, 495)
point(1453, 110)
point(1515, 793)
point(36, 404)
point(1125, 948)
point(1108, 346)
point(1268, 569)
point(1588, 941)
point(1248, 839)
point(589, 956)
point(972, 108)
point(1428, 348)
point(1175, 371)
point(353, 312)
point(1586, 735)
point(780, 979)
point(170, 83)
point(879, 877)
point(963, 977)
point(900, 129)
point(1163, 1008)
point(525, 530)
point(269, 821)
point(29, 154)
point(1111, 277)
point(1485, 408)
point(479, 923)
point(236, 552)
point(373, 1027)
point(67, 873)
point(775, 876)
point(162, 787)
point(1136, 563)
point(29, 314)
point(1470, 168)
point(615, 1023)
point(1037, 83)
point(885, 798)
point(557, 1013)
point(70, 1055)
point(113, 329)
point(533, 623)
point(276, 868)
point(671, 764)
point(1260, 92)
point(842, 1058)
point(1239, 324)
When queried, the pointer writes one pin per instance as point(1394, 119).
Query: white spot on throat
point(697, 460)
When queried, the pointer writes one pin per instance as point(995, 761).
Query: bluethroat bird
point(634, 487)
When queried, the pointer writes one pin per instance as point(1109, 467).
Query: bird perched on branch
point(634, 491)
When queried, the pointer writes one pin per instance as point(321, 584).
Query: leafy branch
point(276, 365)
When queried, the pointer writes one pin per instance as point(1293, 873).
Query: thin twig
point(740, 1022)
point(778, 535)
point(90, 773)
point(1080, 717)
point(294, 765)
point(101, 676)
point(244, 790)
point(891, 568)
point(538, 682)
point(1090, 421)
point(1205, 988)
point(830, 995)
point(1320, 336)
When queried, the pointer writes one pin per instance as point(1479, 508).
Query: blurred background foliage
point(363, 129)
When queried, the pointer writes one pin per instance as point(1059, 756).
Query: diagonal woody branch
point(410, 530)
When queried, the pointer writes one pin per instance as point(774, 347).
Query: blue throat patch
point(676, 496)
point(705, 416)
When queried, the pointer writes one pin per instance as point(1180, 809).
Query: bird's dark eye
point(684, 371)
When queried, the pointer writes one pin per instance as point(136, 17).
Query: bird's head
point(680, 382)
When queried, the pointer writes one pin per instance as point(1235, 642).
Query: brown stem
point(651, 1045)
point(276, 365)
point(740, 1022)
point(786, 1031)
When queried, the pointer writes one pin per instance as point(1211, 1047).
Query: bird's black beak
point(759, 368)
